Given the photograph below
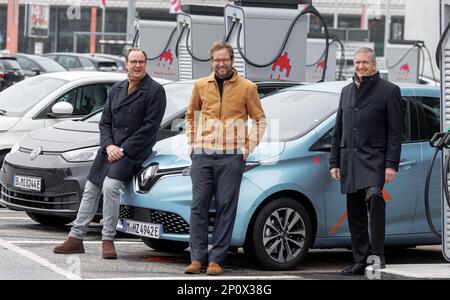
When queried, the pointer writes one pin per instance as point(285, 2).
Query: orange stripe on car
point(338, 224)
point(386, 196)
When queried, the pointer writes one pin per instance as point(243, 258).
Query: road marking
point(38, 259)
point(14, 218)
point(84, 242)
point(10, 211)
point(196, 277)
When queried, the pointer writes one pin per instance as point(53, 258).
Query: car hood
point(173, 152)
point(64, 136)
point(6, 123)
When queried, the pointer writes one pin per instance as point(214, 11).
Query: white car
point(44, 100)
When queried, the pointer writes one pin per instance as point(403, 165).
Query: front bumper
point(63, 184)
point(169, 203)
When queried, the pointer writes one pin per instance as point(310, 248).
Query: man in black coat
point(128, 129)
point(365, 154)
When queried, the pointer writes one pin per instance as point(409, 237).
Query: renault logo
point(35, 153)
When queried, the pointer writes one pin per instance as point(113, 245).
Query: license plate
point(139, 228)
point(27, 183)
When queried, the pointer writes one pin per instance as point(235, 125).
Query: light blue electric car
point(288, 202)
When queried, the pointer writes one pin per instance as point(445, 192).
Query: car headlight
point(81, 155)
point(15, 148)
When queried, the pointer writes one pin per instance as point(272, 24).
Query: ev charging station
point(159, 39)
point(196, 35)
point(315, 60)
point(444, 62)
point(403, 61)
point(244, 25)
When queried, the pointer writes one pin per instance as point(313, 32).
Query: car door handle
point(407, 163)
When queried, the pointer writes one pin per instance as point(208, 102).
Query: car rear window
point(9, 64)
point(50, 65)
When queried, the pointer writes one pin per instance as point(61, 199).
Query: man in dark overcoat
point(128, 129)
point(365, 154)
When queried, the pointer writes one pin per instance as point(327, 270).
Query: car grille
point(172, 223)
point(58, 194)
point(58, 185)
point(67, 202)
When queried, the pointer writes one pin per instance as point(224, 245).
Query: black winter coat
point(131, 122)
point(368, 133)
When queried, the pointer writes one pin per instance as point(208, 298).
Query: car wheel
point(281, 234)
point(165, 245)
point(50, 220)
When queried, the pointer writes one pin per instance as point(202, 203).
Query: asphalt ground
point(26, 253)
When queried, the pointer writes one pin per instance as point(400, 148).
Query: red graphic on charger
point(167, 56)
point(282, 64)
point(404, 70)
point(163, 67)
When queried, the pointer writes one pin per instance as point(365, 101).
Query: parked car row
point(14, 68)
point(288, 203)
point(10, 72)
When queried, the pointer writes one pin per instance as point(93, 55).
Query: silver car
point(47, 99)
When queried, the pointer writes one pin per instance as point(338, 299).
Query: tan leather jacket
point(220, 124)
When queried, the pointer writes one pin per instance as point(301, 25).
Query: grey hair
point(370, 51)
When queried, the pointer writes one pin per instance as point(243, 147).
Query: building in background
point(347, 14)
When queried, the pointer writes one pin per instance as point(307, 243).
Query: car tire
point(270, 237)
point(50, 220)
point(165, 245)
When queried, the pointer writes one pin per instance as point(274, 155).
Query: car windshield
point(21, 97)
point(178, 96)
point(292, 114)
point(50, 65)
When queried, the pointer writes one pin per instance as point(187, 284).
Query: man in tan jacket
point(219, 143)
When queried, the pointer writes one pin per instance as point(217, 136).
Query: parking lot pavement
point(27, 247)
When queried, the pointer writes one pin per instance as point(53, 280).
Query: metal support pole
point(387, 25)
point(131, 14)
point(102, 48)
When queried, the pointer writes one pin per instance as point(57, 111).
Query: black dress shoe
point(355, 269)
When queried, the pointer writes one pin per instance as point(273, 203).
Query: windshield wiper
point(2, 112)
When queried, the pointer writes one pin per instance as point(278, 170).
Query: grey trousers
point(217, 175)
point(89, 206)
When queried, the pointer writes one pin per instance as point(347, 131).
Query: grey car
point(33, 65)
point(45, 172)
point(83, 62)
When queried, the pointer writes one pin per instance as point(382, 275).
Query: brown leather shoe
point(194, 268)
point(214, 269)
point(108, 250)
point(70, 246)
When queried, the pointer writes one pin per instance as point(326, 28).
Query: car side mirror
point(61, 109)
point(178, 125)
point(36, 71)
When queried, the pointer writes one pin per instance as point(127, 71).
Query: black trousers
point(368, 199)
point(217, 175)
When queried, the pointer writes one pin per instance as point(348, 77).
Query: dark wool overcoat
point(368, 133)
point(130, 121)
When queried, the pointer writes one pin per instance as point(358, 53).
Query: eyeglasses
point(218, 61)
point(135, 62)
